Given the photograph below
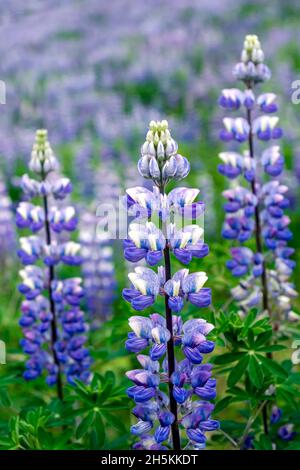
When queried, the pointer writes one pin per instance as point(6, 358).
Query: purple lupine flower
point(256, 211)
point(148, 332)
point(53, 324)
point(144, 203)
point(185, 413)
point(286, 432)
point(276, 414)
point(145, 242)
point(145, 288)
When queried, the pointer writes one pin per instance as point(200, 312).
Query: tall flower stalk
point(98, 269)
point(52, 322)
point(180, 417)
point(255, 206)
point(256, 209)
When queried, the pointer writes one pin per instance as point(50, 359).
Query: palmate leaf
point(273, 367)
point(255, 372)
point(98, 404)
point(238, 370)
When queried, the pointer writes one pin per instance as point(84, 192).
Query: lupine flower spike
point(168, 350)
point(256, 209)
point(98, 269)
point(52, 322)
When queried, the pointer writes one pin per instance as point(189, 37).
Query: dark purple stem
point(257, 222)
point(52, 303)
point(171, 356)
point(259, 249)
point(170, 349)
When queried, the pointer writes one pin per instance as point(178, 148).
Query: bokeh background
point(94, 73)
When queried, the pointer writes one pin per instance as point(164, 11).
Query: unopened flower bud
point(152, 126)
point(42, 157)
point(154, 168)
point(160, 152)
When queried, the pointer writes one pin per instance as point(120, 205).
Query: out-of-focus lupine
point(7, 226)
point(255, 208)
point(286, 431)
point(98, 268)
point(98, 260)
point(79, 95)
point(162, 417)
point(52, 322)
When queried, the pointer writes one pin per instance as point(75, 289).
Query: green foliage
point(254, 374)
point(89, 415)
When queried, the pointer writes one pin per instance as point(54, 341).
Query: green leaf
point(239, 392)
point(295, 378)
point(115, 421)
point(273, 367)
point(272, 348)
point(84, 396)
point(110, 377)
point(255, 372)
point(260, 326)
point(100, 429)
point(264, 443)
point(45, 438)
point(288, 397)
point(105, 393)
point(262, 339)
point(228, 357)
point(238, 371)
point(249, 320)
point(4, 399)
point(95, 381)
point(222, 404)
point(250, 338)
point(61, 442)
point(96, 442)
point(84, 425)
point(293, 446)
